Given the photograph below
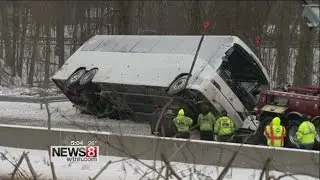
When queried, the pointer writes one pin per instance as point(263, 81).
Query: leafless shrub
point(18, 172)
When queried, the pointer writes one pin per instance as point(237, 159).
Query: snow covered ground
point(25, 91)
point(120, 169)
point(63, 116)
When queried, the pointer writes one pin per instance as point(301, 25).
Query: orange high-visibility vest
point(275, 135)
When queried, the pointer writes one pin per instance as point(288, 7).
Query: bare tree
point(196, 16)
point(47, 54)
point(6, 35)
point(122, 19)
point(16, 34)
point(210, 11)
point(80, 16)
point(282, 41)
point(60, 16)
point(162, 17)
point(25, 14)
point(244, 19)
point(139, 17)
point(35, 54)
point(78, 25)
point(303, 68)
point(317, 34)
point(1, 38)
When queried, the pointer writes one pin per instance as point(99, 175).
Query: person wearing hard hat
point(183, 124)
point(206, 121)
point(275, 133)
point(224, 128)
point(306, 134)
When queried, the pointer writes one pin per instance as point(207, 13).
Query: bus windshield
point(243, 75)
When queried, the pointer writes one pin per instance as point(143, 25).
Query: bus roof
point(145, 59)
point(155, 44)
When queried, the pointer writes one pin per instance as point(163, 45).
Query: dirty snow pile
point(120, 169)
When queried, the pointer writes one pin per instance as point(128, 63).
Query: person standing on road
point(206, 121)
point(275, 133)
point(183, 124)
point(224, 128)
point(306, 134)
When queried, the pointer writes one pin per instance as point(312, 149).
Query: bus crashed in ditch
point(127, 76)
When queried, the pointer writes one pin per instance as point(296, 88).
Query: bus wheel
point(88, 76)
point(75, 77)
point(178, 85)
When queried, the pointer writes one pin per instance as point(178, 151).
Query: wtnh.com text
point(80, 159)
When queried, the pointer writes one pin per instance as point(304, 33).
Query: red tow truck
point(289, 104)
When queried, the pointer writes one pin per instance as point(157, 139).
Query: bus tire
point(178, 85)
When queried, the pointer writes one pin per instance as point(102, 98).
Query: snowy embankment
point(120, 169)
point(25, 91)
point(63, 115)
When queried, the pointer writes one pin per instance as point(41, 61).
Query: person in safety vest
point(206, 121)
point(275, 133)
point(306, 134)
point(183, 124)
point(224, 128)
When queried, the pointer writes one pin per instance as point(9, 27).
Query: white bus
point(126, 76)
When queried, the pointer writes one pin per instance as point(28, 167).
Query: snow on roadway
point(126, 169)
point(63, 116)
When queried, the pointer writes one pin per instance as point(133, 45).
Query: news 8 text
point(92, 151)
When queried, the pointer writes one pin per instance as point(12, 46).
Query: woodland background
point(36, 37)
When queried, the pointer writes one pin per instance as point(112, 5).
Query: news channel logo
point(76, 152)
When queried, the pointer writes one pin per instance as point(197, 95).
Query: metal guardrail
point(27, 99)
point(150, 148)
